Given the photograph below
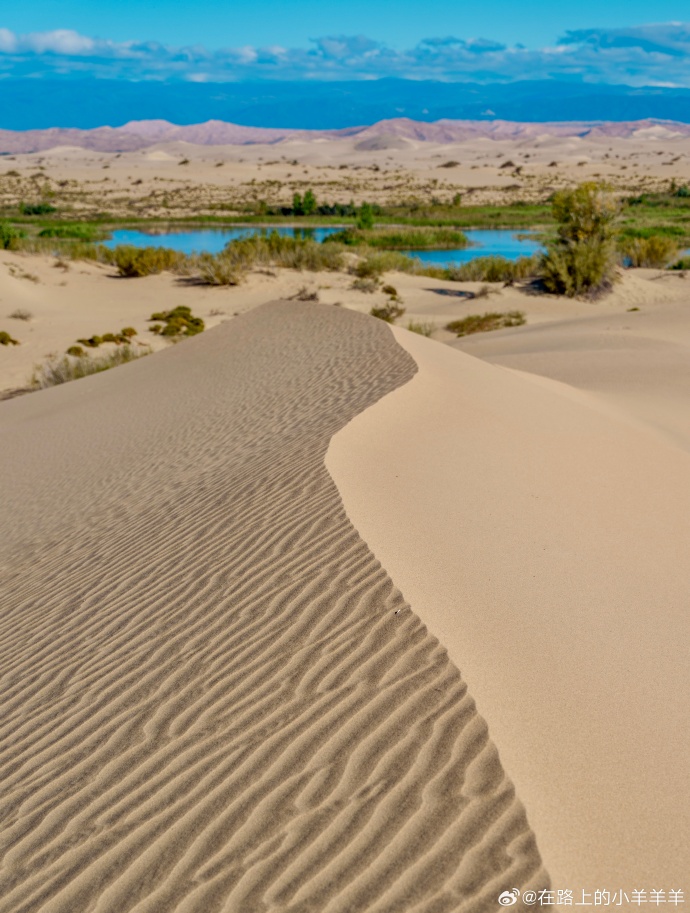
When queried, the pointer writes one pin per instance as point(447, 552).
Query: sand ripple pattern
point(213, 696)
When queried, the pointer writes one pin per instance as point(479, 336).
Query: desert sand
point(398, 161)
point(214, 696)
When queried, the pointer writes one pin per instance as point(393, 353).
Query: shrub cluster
point(124, 337)
point(494, 269)
point(7, 340)
point(402, 238)
point(177, 322)
point(144, 261)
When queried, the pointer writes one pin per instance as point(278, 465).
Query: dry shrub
point(483, 323)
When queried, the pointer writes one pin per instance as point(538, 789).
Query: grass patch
point(484, 323)
point(423, 327)
point(57, 371)
point(10, 237)
point(389, 312)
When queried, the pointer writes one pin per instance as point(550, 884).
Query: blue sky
point(217, 40)
point(398, 23)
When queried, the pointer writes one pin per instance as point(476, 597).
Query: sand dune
point(546, 544)
point(214, 697)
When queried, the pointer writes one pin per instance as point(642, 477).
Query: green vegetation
point(124, 337)
point(582, 259)
point(272, 250)
point(483, 323)
point(36, 209)
point(144, 261)
point(7, 340)
point(177, 322)
point(365, 217)
point(75, 366)
point(77, 231)
point(10, 237)
point(402, 238)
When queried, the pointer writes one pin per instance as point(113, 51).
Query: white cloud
point(644, 55)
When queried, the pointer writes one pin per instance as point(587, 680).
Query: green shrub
point(365, 217)
point(36, 209)
point(122, 338)
point(483, 323)
point(7, 340)
point(682, 264)
point(92, 342)
point(281, 251)
point(10, 236)
point(61, 370)
point(401, 238)
point(76, 351)
point(582, 259)
point(177, 322)
point(389, 312)
point(144, 261)
point(656, 251)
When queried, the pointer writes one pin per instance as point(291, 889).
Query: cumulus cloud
point(643, 55)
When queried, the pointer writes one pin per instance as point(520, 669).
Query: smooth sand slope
point(546, 544)
point(213, 696)
point(637, 363)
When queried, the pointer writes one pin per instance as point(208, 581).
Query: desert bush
point(423, 327)
point(77, 351)
point(10, 236)
point(21, 314)
point(304, 294)
point(144, 261)
point(281, 251)
point(483, 323)
point(218, 270)
point(682, 264)
point(374, 264)
point(76, 365)
point(657, 251)
point(7, 340)
point(493, 269)
point(365, 285)
point(388, 312)
point(178, 322)
point(582, 259)
point(365, 217)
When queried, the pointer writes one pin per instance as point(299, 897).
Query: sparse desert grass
point(7, 340)
point(483, 323)
point(423, 327)
point(493, 269)
point(217, 270)
point(77, 231)
point(21, 314)
point(369, 286)
point(176, 323)
point(60, 370)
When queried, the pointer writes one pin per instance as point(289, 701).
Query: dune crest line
point(213, 696)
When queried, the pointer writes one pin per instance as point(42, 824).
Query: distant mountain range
point(30, 104)
point(385, 134)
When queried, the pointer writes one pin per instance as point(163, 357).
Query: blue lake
point(485, 243)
